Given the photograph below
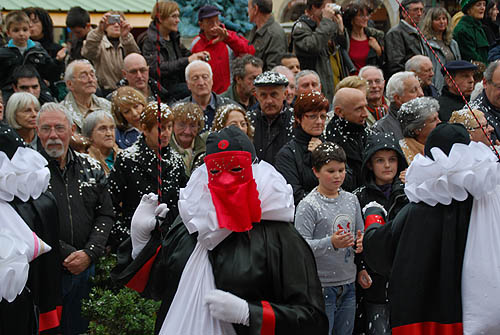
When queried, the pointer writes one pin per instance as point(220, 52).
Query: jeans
point(75, 288)
point(340, 302)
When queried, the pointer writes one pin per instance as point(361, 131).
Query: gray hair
point(413, 114)
point(54, 107)
point(265, 6)
point(239, 63)
point(488, 73)
point(304, 73)
point(414, 63)
point(17, 102)
point(194, 63)
point(369, 67)
point(395, 85)
point(70, 69)
point(92, 119)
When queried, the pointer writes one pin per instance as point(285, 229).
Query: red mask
point(233, 189)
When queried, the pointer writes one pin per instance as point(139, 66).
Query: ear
point(69, 84)
point(124, 73)
point(316, 173)
point(73, 129)
point(338, 111)
point(14, 87)
point(397, 99)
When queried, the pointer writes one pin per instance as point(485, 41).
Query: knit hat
point(229, 139)
point(444, 136)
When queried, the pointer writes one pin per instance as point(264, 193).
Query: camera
point(336, 8)
point(114, 18)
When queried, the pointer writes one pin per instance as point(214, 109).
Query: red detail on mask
point(233, 189)
point(223, 144)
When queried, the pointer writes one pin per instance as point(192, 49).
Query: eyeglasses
point(142, 70)
point(315, 116)
point(85, 76)
point(59, 128)
point(497, 86)
point(184, 125)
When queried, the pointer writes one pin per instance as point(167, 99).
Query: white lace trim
point(467, 169)
point(24, 176)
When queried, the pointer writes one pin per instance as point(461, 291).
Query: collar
point(211, 104)
point(301, 136)
point(409, 26)
point(266, 25)
point(30, 44)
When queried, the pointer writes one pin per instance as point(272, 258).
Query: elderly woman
point(418, 117)
point(135, 172)
point(232, 114)
point(465, 117)
point(20, 113)
point(127, 104)
point(469, 33)
point(106, 46)
point(436, 27)
point(366, 44)
point(186, 139)
point(99, 128)
point(294, 159)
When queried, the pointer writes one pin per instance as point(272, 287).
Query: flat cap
point(207, 11)
point(270, 78)
point(458, 65)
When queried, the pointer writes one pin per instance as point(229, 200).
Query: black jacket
point(171, 66)
point(271, 136)
point(449, 102)
point(491, 113)
point(377, 293)
point(134, 174)
point(84, 204)
point(351, 137)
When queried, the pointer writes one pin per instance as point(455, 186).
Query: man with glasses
point(403, 41)
point(489, 100)
point(136, 74)
point(378, 106)
point(81, 100)
point(199, 79)
point(84, 208)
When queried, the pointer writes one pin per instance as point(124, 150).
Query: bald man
point(136, 74)
point(291, 88)
point(347, 128)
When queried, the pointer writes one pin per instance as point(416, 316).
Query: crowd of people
point(277, 160)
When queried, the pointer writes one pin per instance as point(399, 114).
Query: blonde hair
point(122, 99)
point(433, 14)
point(17, 16)
point(465, 117)
point(352, 82)
point(189, 111)
point(222, 114)
point(164, 9)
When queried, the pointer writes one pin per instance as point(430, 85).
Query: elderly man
point(85, 210)
point(199, 78)
point(347, 128)
point(267, 36)
point(244, 69)
point(489, 100)
point(292, 62)
point(403, 40)
point(136, 74)
point(291, 89)
point(450, 100)
point(307, 80)
point(377, 105)
point(222, 44)
point(311, 36)
point(402, 87)
point(422, 67)
point(272, 118)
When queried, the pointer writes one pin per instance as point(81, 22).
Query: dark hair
point(288, 55)
point(265, 6)
point(238, 65)
point(315, 3)
point(351, 11)
point(326, 152)
point(312, 101)
point(24, 71)
point(46, 21)
point(77, 17)
point(406, 5)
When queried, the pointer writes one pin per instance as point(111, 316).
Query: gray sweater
point(316, 219)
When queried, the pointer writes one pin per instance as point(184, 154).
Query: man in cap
point(222, 44)
point(462, 72)
point(230, 255)
point(272, 118)
point(403, 40)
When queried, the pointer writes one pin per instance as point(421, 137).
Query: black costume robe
point(270, 266)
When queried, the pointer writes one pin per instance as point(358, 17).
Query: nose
point(420, 93)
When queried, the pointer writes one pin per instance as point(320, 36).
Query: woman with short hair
point(21, 114)
point(232, 114)
point(99, 128)
point(127, 104)
point(418, 117)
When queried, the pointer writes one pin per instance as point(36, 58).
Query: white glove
point(144, 221)
point(228, 307)
point(374, 204)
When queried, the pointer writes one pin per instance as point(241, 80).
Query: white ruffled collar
point(23, 176)
point(198, 212)
point(468, 169)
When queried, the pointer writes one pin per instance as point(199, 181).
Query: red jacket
point(220, 54)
